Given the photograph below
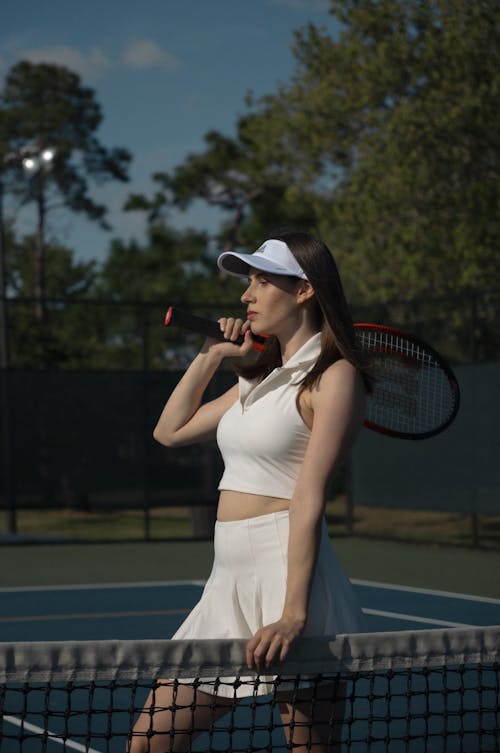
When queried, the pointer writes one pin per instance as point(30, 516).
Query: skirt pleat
point(247, 585)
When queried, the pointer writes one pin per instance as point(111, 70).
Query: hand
point(232, 329)
point(272, 642)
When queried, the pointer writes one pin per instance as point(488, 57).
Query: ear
point(305, 292)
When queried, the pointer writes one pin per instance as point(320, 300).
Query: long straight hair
point(332, 313)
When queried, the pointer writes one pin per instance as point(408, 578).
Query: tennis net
point(425, 691)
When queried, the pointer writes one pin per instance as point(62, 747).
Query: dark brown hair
point(333, 317)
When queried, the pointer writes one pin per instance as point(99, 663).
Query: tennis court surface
point(425, 678)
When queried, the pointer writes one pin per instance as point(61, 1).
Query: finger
point(228, 327)
point(247, 344)
point(285, 648)
point(237, 329)
point(259, 653)
point(249, 649)
point(275, 648)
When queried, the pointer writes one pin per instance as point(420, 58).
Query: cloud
point(144, 53)
point(90, 65)
point(139, 54)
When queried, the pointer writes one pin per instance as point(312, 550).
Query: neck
point(290, 344)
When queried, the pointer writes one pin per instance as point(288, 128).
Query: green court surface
point(450, 569)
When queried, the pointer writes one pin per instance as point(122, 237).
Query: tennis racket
point(415, 393)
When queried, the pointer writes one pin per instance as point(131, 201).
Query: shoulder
point(340, 382)
point(341, 374)
point(340, 388)
point(342, 370)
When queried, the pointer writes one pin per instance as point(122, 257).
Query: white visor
point(273, 257)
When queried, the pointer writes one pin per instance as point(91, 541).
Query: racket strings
point(412, 392)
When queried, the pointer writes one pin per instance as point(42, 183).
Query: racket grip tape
point(177, 318)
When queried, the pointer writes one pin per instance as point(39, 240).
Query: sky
point(164, 72)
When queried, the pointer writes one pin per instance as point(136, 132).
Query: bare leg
point(174, 715)
point(313, 718)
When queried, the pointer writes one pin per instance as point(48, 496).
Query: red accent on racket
point(415, 394)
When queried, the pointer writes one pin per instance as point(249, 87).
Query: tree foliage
point(400, 118)
point(241, 176)
point(170, 268)
point(63, 340)
point(386, 141)
point(45, 105)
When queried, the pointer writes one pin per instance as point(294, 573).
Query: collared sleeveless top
point(262, 437)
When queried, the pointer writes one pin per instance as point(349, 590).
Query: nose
point(247, 296)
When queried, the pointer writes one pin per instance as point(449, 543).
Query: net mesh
point(432, 691)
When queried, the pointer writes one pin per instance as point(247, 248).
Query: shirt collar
point(301, 362)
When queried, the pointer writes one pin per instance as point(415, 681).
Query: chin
point(255, 328)
point(262, 331)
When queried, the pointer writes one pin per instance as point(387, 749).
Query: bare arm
point(338, 404)
point(184, 420)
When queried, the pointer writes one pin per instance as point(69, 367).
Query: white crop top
point(262, 436)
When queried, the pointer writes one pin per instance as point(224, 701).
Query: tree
point(67, 338)
point(395, 127)
point(171, 268)
point(45, 106)
point(386, 140)
point(242, 176)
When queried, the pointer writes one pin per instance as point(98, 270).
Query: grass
point(165, 522)
point(415, 526)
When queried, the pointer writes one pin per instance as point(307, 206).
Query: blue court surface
point(155, 610)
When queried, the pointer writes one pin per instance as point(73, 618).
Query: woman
point(290, 420)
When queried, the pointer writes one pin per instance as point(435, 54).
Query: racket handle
point(177, 318)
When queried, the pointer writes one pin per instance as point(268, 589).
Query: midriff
point(241, 505)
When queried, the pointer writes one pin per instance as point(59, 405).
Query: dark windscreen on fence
point(457, 470)
point(83, 440)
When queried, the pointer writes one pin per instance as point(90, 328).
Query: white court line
point(170, 612)
point(51, 735)
point(428, 591)
point(166, 583)
point(414, 618)
point(94, 615)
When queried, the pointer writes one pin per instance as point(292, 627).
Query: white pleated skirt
point(246, 588)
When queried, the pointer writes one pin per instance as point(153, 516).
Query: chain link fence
point(86, 383)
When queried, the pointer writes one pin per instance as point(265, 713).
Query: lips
point(251, 314)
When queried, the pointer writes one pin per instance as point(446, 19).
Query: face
point(272, 301)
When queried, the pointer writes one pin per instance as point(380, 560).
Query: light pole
point(5, 407)
point(35, 161)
